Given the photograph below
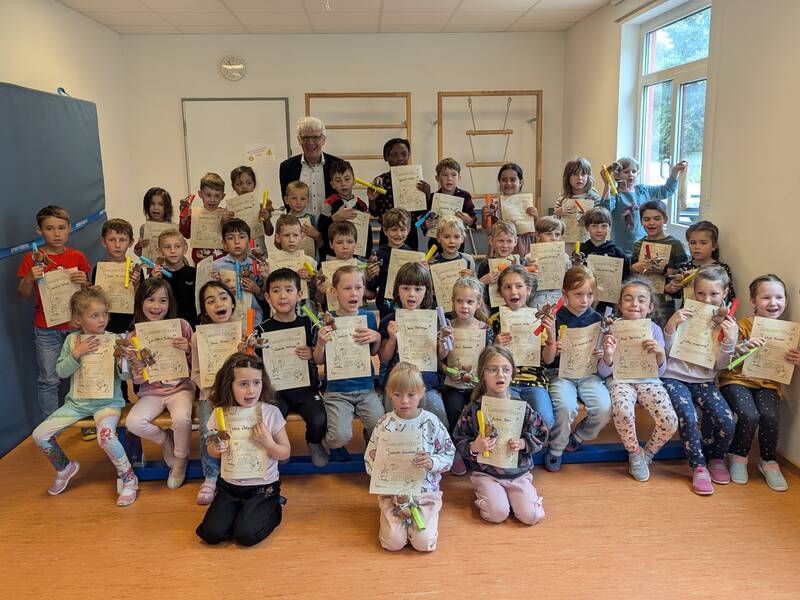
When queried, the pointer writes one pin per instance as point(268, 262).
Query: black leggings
point(454, 402)
point(754, 408)
point(308, 404)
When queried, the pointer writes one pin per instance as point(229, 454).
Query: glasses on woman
point(492, 370)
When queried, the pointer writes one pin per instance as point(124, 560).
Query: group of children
point(442, 396)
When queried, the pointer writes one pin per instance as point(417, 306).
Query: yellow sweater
point(727, 377)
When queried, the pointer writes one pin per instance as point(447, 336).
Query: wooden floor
point(604, 536)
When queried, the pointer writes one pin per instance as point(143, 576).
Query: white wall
point(44, 45)
point(160, 70)
point(751, 133)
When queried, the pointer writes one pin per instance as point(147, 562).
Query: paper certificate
point(396, 260)
point(550, 261)
point(577, 344)
point(228, 277)
point(361, 222)
point(278, 259)
point(769, 362)
point(111, 277)
point(416, 338)
point(525, 346)
point(695, 340)
point(206, 229)
point(215, 343)
point(574, 231)
point(328, 268)
point(202, 276)
point(608, 272)
point(94, 379)
point(444, 205)
point(445, 275)
point(404, 188)
point(307, 245)
point(467, 347)
point(344, 359)
point(393, 472)
point(56, 294)
point(152, 229)
point(513, 208)
point(157, 336)
point(495, 299)
point(246, 207)
point(504, 421)
point(659, 253)
point(630, 359)
point(286, 370)
point(244, 459)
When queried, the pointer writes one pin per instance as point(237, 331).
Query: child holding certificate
point(566, 391)
point(755, 400)
point(637, 349)
point(344, 205)
point(450, 234)
point(91, 394)
point(427, 456)
point(689, 383)
point(510, 180)
point(212, 191)
point(157, 206)
point(501, 489)
point(247, 507)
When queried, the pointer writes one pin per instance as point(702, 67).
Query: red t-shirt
point(66, 260)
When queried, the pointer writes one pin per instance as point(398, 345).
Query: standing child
point(636, 302)
point(598, 225)
point(755, 401)
point(406, 389)
point(624, 206)
point(576, 183)
point(289, 234)
point(510, 181)
point(341, 206)
point(154, 302)
point(448, 173)
point(212, 191)
point(297, 195)
point(243, 180)
point(502, 242)
point(413, 290)
point(689, 384)
point(116, 236)
point(548, 229)
point(172, 248)
point(395, 226)
point(236, 241)
point(703, 240)
point(343, 236)
point(157, 209)
point(246, 510)
point(52, 223)
point(89, 309)
point(450, 234)
point(499, 491)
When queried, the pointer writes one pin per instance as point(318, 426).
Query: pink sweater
point(166, 388)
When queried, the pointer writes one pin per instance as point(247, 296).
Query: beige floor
point(605, 536)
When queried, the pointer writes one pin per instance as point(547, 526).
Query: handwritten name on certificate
point(246, 207)
point(94, 379)
point(328, 268)
point(244, 459)
point(574, 231)
point(769, 362)
point(56, 294)
point(514, 209)
point(525, 346)
point(215, 343)
point(504, 418)
point(445, 275)
point(608, 272)
point(695, 340)
point(206, 227)
point(344, 358)
point(577, 344)
point(393, 472)
point(444, 205)
point(111, 277)
point(286, 370)
point(659, 253)
point(396, 260)
point(630, 359)
point(495, 299)
point(153, 229)
point(361, 222)
point(404, 188)
point(467, 347)
point(552, 265)
point(157, 336)
point(416, 338)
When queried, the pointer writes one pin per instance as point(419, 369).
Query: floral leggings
point(655, 400)
point(107, 417)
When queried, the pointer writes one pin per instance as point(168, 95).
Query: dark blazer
point(290, 171)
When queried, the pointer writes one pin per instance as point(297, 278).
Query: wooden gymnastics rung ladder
point(504, 130)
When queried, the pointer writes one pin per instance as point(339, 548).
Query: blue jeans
point(48, 343)
point(209, 463)
point(539, 400)
point(565, 394)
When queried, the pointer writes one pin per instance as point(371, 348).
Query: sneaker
point(648, 457)
point(719, 472)
point(701, 482)
point(177, 474)
point(168, 449)
point(772, 473)
point(738, 468)
point(127, 492)
point(207, 491)
point(88, 434)
point(319, 456)
point(459, 468)
point(63, 476)
point(552, 462)
point(574, 444)
point(637, 466)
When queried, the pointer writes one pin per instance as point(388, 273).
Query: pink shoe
point(127, 492)
point(458, 468)
point(701, 482)
point(719, 472)
point(63, 476)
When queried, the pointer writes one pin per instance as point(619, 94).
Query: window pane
point(678, 43)
point(693, 110)
point(657, 131)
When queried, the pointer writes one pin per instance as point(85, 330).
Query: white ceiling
point(334, 16)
